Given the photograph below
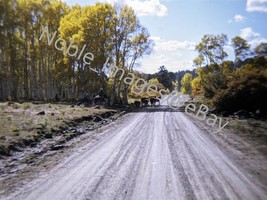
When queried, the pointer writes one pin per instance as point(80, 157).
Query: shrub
point(26, 106)
point(45, 123)
point(9, 118)
point(15, 130)
point(15, 105)
point(247, 90)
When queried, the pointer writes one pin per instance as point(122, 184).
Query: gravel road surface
point(146, 155)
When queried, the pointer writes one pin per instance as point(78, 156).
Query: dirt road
point(147, 155)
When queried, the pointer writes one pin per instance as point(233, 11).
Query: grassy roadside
point(252, 130)
point(252, 127)
point(26, 125)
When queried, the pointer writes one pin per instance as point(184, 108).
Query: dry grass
point(22, 119)
point(250, 127)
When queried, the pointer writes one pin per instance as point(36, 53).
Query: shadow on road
point(148, 109)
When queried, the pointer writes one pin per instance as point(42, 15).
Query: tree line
point(229, 86)
point(33, 70)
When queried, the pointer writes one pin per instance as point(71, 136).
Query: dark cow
point(144, 101)
point(85, 101)
point(100, 98)
point(137, 103)
point(153, 101)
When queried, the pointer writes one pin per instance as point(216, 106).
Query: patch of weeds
point(3, 106)
point(9, 118)
point(24, 126)
point(26, 106)
point(15, 105)
point(45, 123)
point(15, 129)
point(49, 105)
point(30, 121)
point(71, 111)
point(2, 137)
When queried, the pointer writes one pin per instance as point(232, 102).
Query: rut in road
point(149, 155)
